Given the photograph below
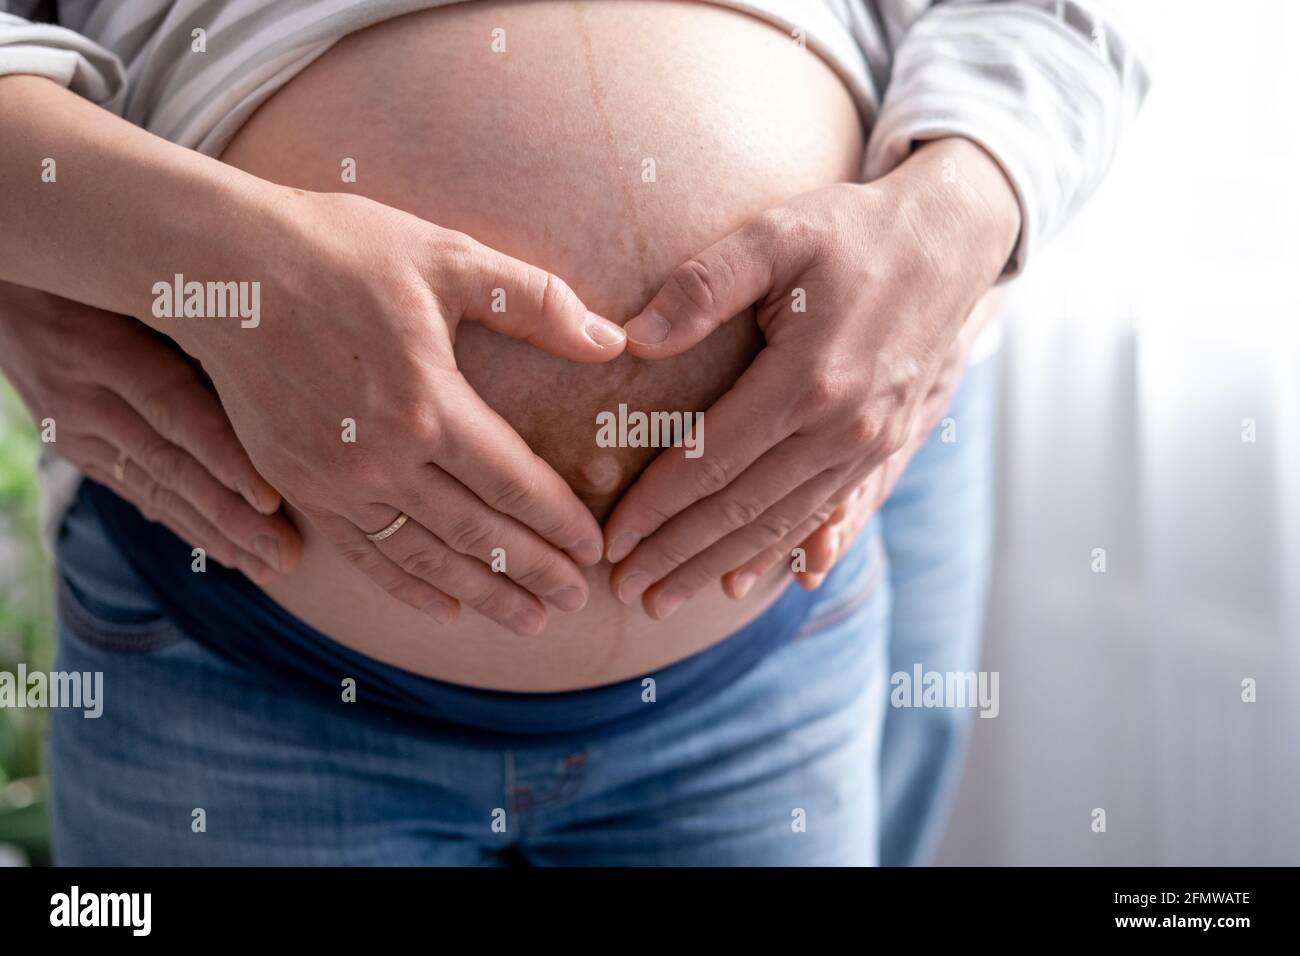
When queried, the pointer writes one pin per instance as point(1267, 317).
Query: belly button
point(598, 477)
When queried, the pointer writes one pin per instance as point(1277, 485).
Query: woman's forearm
point(348, 391)
point(98, 210)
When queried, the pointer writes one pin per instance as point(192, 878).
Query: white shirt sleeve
point(62, 55)
point(1045, 86)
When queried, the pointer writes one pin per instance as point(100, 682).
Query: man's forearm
point(1046, 86)
point(966, 193)
point(98, 210)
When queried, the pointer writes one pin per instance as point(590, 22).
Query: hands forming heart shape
point(865, 296)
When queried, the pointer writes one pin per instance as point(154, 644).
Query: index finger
point(522, 301)
point(489, 458)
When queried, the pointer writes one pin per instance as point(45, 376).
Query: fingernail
point(648, 328)
point(670, 601)
point(440, 611)
point(251, 567)
point(630, 588)
point(527, 622)
point(601, 332)
point(268, 550)
point(246, 491)
point(743, 583)
point(622, 546)
point(569, 599)
point(586, 553)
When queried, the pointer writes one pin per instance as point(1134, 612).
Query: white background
point(1141, 340)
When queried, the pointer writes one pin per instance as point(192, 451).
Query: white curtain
point(1151, 408)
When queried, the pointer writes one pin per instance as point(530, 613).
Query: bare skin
point(541, 156)
point(107, 239)
point(890, 272)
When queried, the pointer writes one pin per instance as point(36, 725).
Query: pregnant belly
point(607, 142)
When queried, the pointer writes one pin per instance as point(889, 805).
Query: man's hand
point(861, 291)
point(830, 542)
point(348, 399)
point(126, 404)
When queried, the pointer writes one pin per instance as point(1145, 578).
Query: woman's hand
point(134, 415)
point(861, 291)
point(361, 305)
point(347, 396)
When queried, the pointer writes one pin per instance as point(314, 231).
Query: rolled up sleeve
point(1047, 87)
point(62, 55)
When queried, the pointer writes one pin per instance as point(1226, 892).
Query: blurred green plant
point(26, 630)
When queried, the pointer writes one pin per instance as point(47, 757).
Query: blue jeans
point(938, 533)
point(197, 761)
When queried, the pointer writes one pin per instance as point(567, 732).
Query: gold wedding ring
point(119, 468)
point(391, 530)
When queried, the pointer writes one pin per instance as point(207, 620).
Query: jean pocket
point(862, 576)
point(109, 628)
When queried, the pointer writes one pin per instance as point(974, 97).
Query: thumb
point(525, 302)
point(702, 293)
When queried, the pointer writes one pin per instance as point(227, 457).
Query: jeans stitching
point(110, 636)
point(859, 593)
